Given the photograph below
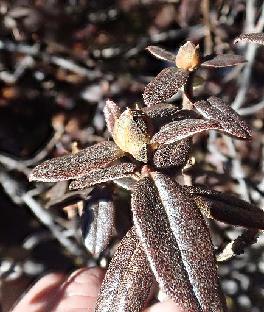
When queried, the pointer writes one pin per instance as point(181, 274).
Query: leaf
point(238, 245)
point(224, 60)
point(126, 183)
point(193, 237)
point(161, 53)
point(178, 130)
point(171, 155)
point(128, 280)
point(163, 113)
point(112, 113)
point(164, 85)
point(228, 208)
point(74, 166)
point(216, 109)
point(103, 175)
point(251, 38)
point(153, 228)
point(98, 225)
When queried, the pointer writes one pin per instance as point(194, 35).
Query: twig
point(22, 165)
point(251, 109)
point(18, 194)
point(250, 52)
point(45, 218)
point(46, 57)
point(237, 172)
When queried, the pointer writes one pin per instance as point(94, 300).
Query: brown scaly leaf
point(164, 85)
point(251, 38)
point(161, 53)
point(128, 280)
point(74, 166)
point(224, 60)
point(228, 208)
point(171, 155)
point(98, 233)
point(163, 113)
point(216, 109)
point(238, 245)
point(178, 130)
point(112, 113)
point(153, 228)
point(193, 237)
point(103, 175)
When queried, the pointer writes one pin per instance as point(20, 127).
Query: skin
point(75, 293)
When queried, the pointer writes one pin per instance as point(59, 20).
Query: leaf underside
point(224, 60)
point(126, 183)
point(161, 53)
point(103, 175)
point(174, 154)
point(97, 233)
point(238, 245)
point(251, 38)
point(74, 166)
point(111, 113)
point(216, 109)
point(128, 280)
point(152, 227)
point(164, 85)
point(193, 237)
point(178, 130)
point(228, 208)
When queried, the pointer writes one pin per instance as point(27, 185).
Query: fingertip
point(166, 306)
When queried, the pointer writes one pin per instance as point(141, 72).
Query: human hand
point(78, 292)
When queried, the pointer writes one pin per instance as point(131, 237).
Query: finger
point(79, 291)
point(166, 306)
point(38, 296)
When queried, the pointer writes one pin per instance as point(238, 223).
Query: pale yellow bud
point(188, 57)
point(131, 134)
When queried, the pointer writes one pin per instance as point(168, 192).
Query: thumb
point(166, 306)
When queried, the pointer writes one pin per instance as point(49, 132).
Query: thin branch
point(237, 170)
point(251, 109)
point(250, 52)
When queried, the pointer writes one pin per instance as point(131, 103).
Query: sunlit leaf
point(161, 53)
point(174, 154)
point(128, 280)
point(165, 85)
point(193, 237)
point(228, 208)
point(103, 175)
point(126, 183)
point(251, 38)
point(224, 60)
point(98, 224)
point(74, 166)
point(111, 113)
point(231, 123)
point(178, 130)
point(153, 228)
